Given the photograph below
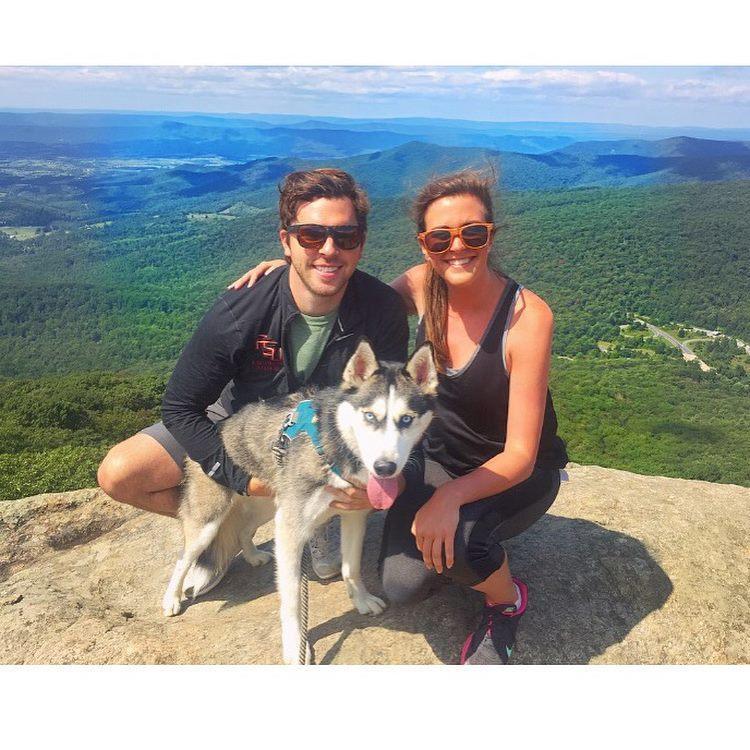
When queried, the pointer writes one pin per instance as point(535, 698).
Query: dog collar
point(303, 420)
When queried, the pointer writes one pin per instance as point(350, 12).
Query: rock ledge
point(624, 569)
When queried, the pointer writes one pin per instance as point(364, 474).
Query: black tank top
point(472, 408)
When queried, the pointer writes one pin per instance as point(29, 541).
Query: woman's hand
point(352, 498)
point(250, 277)
point(434, 528)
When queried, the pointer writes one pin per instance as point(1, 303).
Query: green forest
point(652, 415)
point(97, 302)
point(54, 431)
point(126, 294)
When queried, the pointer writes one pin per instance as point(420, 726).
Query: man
point(297, 326)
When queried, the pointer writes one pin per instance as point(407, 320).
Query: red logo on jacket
point(270, 351)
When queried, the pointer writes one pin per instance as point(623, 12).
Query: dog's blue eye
point(405, 421)
point(369, 416)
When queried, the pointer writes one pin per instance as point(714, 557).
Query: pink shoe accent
point(524, 590)
point(464, 649)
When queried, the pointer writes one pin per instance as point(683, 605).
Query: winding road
point(687, 353)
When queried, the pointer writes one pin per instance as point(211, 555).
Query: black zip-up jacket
point(240, 353)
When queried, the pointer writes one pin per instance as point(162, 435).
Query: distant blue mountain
point(97, 136)
point(572, 131)
point(244, 137)
point(401, 170)
point(256, 155)
point(669, 147)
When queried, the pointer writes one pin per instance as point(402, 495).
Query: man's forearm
point(198, 435)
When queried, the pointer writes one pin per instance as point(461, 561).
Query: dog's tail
point(212, 564)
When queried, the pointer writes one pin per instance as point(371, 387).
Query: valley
point(109, 256)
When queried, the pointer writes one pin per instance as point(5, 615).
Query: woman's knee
point(405, 581)
point(477, 555)
point(483, 559)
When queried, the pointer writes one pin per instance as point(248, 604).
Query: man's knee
point(135, 468)
point(115, 475)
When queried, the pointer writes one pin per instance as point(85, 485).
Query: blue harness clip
point(303, 420)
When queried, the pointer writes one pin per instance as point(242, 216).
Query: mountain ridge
point(234, 136)
point(402, 169)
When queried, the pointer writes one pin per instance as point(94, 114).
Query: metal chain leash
point(304, 598)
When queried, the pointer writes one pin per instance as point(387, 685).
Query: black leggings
point(482, 526)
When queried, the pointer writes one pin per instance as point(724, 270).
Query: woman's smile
point(460, 262)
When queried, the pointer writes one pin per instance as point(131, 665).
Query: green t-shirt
point(308, 337)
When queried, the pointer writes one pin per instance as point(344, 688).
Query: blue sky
point(697, 96)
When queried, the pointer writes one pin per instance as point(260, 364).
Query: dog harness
point(303, 420)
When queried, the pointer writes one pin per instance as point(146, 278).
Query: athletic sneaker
point(325, 549)
point(492, 642)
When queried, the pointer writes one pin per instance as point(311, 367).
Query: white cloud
point(328, 83)
point(562, 77)
point(716, 90)
point(340, 80)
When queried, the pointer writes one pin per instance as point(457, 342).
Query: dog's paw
point(364, 602)
point(257, 557)
point(171, 605)
point(367, 604)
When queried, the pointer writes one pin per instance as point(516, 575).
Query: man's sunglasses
point(474, 236)
point(314, 236)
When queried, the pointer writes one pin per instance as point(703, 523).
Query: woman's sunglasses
point(314, 236)
point(474, 236)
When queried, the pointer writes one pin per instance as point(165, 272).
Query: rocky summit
point(624, 569)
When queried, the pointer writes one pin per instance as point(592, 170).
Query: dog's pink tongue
point(381, 492)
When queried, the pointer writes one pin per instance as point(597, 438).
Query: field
point(21, 233)
point(210, 217)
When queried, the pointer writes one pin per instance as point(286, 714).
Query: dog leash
point(302, 420)
point(304, 599)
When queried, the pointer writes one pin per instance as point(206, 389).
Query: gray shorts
point(216, 413)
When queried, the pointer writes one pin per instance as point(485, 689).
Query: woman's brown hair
point(466, 182)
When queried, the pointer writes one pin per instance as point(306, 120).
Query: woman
point(492, 455)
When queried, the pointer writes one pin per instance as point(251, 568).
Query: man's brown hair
point(303, 187)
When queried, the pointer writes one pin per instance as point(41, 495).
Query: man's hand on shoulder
point(409, 285)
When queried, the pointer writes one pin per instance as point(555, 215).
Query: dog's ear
point(421, 368)
point(362, 364)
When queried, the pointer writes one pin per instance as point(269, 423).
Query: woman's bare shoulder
point(531, 311)
point(530, 330)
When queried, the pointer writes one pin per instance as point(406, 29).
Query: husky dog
point(360, 433)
